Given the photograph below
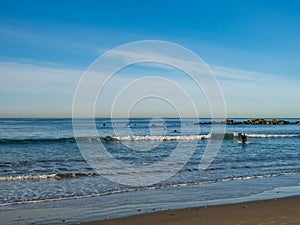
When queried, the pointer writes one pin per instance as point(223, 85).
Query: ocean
point(47, 178)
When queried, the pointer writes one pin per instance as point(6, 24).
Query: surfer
point(244, 138)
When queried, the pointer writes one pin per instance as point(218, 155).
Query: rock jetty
point(251, 122)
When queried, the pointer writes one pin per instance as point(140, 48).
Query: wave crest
point(145, 138)
point(44, 176)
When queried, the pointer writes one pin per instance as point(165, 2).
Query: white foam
point(272, 135)
point(28, 177)
point(42, 176)
point(163, 138)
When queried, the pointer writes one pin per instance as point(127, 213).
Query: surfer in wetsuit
point(244, 138)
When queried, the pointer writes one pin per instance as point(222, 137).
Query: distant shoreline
point(236, 119)
point(251, 122)
point(231, 121)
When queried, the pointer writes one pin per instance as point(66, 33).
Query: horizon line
point(148, 118)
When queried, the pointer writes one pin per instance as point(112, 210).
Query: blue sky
point(253, 48)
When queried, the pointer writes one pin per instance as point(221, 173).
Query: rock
point(250, 122)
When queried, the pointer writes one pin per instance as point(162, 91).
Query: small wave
point(56, 140)
point(107, 139)
point(272, 135)
point(238, 135)
point(44, 176)
point(35, 140)
point(142, 188)
point(226, 136)
point(163, 138)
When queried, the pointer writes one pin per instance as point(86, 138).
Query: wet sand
point(277, 211)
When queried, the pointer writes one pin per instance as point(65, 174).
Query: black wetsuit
point(244, 138)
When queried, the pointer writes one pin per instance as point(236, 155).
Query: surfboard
point(240, 142)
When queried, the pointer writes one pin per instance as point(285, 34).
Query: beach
point(275, 211)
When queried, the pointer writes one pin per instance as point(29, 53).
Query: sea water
point(42, 167)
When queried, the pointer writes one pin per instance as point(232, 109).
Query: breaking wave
point(45, 176)
point(145, 138)
point(133, 189)
point(272, 135)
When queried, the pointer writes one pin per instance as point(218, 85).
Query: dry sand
point(276, 212)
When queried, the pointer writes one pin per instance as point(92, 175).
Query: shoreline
point(108, 210)
point(273, 211)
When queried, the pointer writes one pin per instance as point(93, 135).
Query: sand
point(276, 212)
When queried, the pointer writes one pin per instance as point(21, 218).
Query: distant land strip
point(251, 122)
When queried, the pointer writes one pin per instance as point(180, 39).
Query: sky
point(252, 48)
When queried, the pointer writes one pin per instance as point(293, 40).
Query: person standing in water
point(244, 138)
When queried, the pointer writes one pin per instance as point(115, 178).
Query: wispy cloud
point(240, 75)
point(220, 72)
point(246, 92)
point(19, 77)
point(24, 33)
point(164, 59)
